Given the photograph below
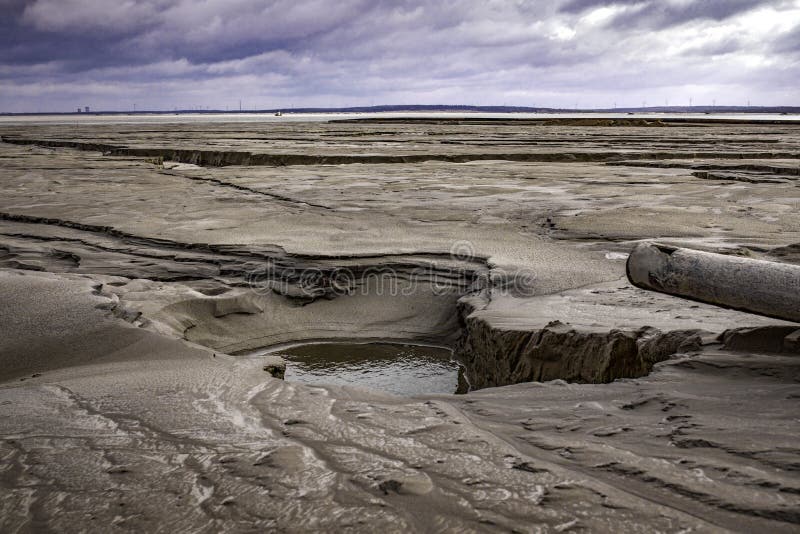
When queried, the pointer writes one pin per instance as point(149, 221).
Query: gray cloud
point(719, 47)
point(580, 6)
point(162, 54)
point(664, 14)
point(786, 45)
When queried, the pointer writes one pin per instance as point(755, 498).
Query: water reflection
point(393, 368)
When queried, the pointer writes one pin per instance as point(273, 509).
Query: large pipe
point(763, 287)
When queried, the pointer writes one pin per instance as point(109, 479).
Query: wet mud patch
point(398, 369)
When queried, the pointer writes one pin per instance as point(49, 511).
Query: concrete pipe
point(763, 287)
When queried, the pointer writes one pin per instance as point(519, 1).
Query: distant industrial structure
point(86, 109)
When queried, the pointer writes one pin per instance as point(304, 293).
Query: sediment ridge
point(222, 158)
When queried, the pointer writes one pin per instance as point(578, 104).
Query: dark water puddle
point(393, 368)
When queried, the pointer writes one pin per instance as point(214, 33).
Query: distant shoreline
point(564, 118)
point(438, 109)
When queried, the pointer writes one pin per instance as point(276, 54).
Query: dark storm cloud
point(153, 29)
point(162, 53)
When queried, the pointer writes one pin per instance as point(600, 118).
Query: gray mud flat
point(142, 264)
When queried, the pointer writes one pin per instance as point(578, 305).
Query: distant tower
point(86, 109)
point(79, 110)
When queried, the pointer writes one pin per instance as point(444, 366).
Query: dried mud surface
point(141, 264)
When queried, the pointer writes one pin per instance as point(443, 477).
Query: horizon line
point(427, 107)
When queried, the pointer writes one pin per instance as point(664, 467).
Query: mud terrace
point(142, 265)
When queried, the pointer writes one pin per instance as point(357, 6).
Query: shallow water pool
point(393, 368)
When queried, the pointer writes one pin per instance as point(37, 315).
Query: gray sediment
point(134, 290)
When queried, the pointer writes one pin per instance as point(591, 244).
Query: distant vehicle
point(279, 114)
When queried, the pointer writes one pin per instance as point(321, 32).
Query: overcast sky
point(57, 55)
